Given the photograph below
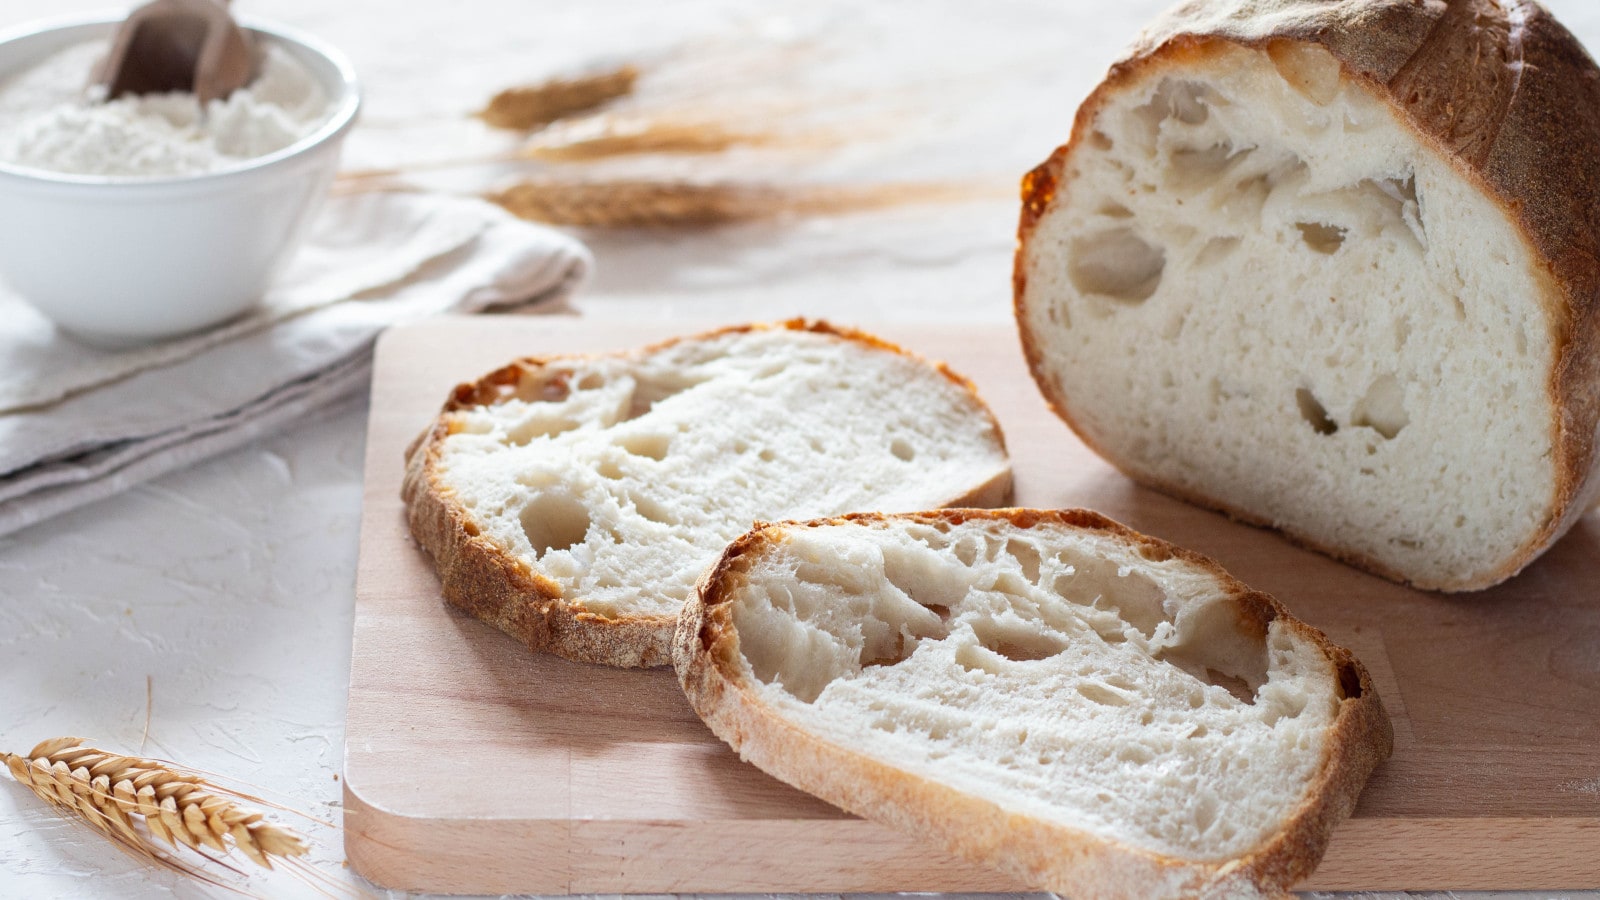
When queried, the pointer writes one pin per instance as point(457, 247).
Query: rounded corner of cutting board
point(395, 851)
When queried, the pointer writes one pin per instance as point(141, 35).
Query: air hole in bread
point(590, 381)
point(1211, 646)
point(1133, 598)
point(889, 655)
point(1098, 693)
point(1114, 210)
point(1117, 264)
point(1183, 102)
point(554, 521)
point(648, 392)
point(1309, 69)
point(1349, 681)
point(553, 390)
point(1194, 168)
point(1018, 641)
point(1312, 410)
point(1407, 204)
point(649, 446)
point(1402, 333)
point(967, 548)
point(1216, 250)
point(929, 536)
point(538, 426)
point(1234, 685)
point(902, 450)
point(920, 576)
point(1382, 408)
point(1324, 239)
point(653, 510)
point(1026, 555)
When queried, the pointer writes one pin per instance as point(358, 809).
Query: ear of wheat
point(621, 203)
point(138, 802)
point(531, 106)
point(632, 203)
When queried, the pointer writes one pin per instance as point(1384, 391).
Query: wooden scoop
point(178, 45)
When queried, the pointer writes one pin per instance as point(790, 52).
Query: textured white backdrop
point(230, 585)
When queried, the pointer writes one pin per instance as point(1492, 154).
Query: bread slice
point(1332, 266)
point(1093, 711)
point(573, 501)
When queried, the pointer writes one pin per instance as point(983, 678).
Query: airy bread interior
point(1256, 284)
point(621, 477)
point(1069, 675)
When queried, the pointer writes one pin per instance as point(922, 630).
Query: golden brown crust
point(1508, 97)
point(494, 585)
point(1043, 854)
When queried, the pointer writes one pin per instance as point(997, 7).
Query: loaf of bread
point(1093, 711)
point(1332, 266)
point(573, 501)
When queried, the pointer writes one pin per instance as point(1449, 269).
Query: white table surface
point(228, 587)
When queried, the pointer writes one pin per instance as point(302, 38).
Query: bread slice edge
point(490, 584)
point(1045, 855)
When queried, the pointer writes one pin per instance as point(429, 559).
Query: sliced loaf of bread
point(1093, 711)
point(1333, 266)
point(573, 501)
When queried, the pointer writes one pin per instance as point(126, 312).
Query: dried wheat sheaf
point(139, 802)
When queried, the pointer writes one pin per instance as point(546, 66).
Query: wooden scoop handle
point(178, 45)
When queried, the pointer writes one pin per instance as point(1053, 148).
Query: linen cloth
point(78, 424)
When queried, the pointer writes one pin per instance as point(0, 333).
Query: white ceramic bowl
point(116, 261)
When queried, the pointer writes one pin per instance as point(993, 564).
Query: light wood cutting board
point(473, 766)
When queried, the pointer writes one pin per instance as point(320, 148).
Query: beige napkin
point(78, 424)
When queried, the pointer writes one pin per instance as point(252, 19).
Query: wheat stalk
point(624, 203)
point(531, 106)
point(115, 793)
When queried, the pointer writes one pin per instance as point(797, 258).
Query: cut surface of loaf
point(1091, 710)
point(573, 502)
point(1298, 263)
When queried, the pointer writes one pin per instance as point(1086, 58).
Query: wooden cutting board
point(473, 766)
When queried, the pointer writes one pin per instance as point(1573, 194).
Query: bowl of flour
point(151, 216)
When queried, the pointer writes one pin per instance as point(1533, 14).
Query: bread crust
point(1045, 855)
point(490, 583)
point(1500, 90)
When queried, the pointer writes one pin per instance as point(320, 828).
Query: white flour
point(46, 122)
